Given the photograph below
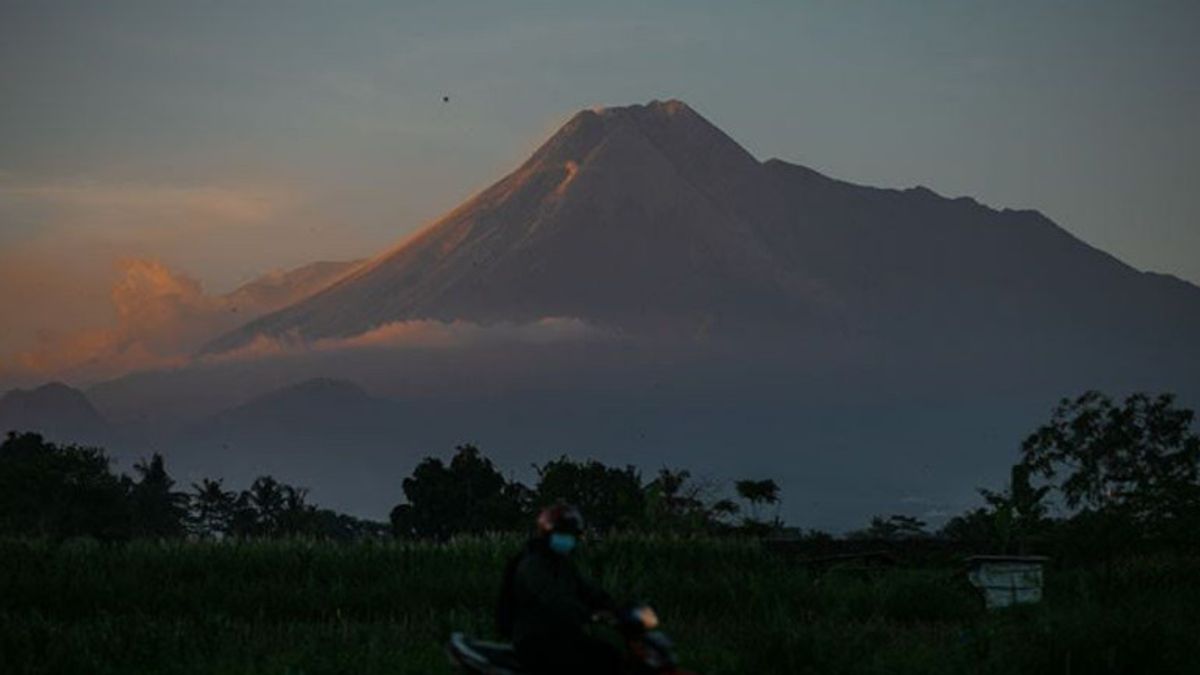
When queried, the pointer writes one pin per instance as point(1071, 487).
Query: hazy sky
point(225, 139)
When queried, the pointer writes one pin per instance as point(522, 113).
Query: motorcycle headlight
point(646, 617)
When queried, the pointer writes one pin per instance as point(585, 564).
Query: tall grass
point(387, 607)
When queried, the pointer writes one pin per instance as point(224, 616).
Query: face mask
point(562, 544)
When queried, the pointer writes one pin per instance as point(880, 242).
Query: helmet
point(560, 518)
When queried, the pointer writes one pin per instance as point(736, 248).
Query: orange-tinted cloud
point(59, 242)
point(160, 315)
point(160, 318)
point(163, 317)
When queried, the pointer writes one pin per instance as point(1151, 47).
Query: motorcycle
point(649, 650)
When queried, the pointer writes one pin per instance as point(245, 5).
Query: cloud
point(421, 334)
point(462, 333)
point(60, 241)
point(66, 316)
point(161, 318)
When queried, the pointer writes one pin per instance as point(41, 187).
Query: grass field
point(305, 607)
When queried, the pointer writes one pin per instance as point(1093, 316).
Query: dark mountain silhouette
point(311, 405)
point(302, 433)
point(845, 444)
point(650, 219)
point(56, 411)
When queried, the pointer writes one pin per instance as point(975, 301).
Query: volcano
point(651, 220)
point(627, 216)
point(866, 347)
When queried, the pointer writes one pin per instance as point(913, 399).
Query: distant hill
point(303, 433)
point(56, 411)
point(315, 406)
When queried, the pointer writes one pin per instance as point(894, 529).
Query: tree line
point(62, 491)
point(469, 495)
point(1102, 475)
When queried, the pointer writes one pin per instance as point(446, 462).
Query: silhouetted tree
point(268, 508)
point(724, 510)
point(893, 528)
point(675, 502)
point(610, 498)
point(757, 493)
point(59, 491)
point(212, 509)
point(1018, 512)
point(977, 529)
point(266, 498)
point(327, 524)
point(157, 511)
point(468, 496)
point(1008, 521)
point(273, 509)
point(243, 517)
point(1138, 461)
point(297, 517)
point(64, 491)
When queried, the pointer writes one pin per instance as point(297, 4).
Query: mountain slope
point(649, 218)
point(274, 290)
point(611, 220)
point(952, 284)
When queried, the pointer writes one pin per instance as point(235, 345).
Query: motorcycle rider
point(545, 603)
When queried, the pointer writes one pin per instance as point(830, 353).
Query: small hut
point(1007, 580)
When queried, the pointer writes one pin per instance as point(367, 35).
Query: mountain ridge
point(584, 151)
point(282, 287)
point(59, 412)
point(651, 219)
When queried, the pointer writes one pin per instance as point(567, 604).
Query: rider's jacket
point(547, 597)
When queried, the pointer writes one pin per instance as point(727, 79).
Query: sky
point(202, 144)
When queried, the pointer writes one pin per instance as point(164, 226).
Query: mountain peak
point(322, 387)
point(51, 393)
point(671, 107)
point(673, 127)
point(631, 215)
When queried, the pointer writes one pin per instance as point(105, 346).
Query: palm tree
point(158, 511)
point(267, 498)
point(758, 492)
point(212, 508)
